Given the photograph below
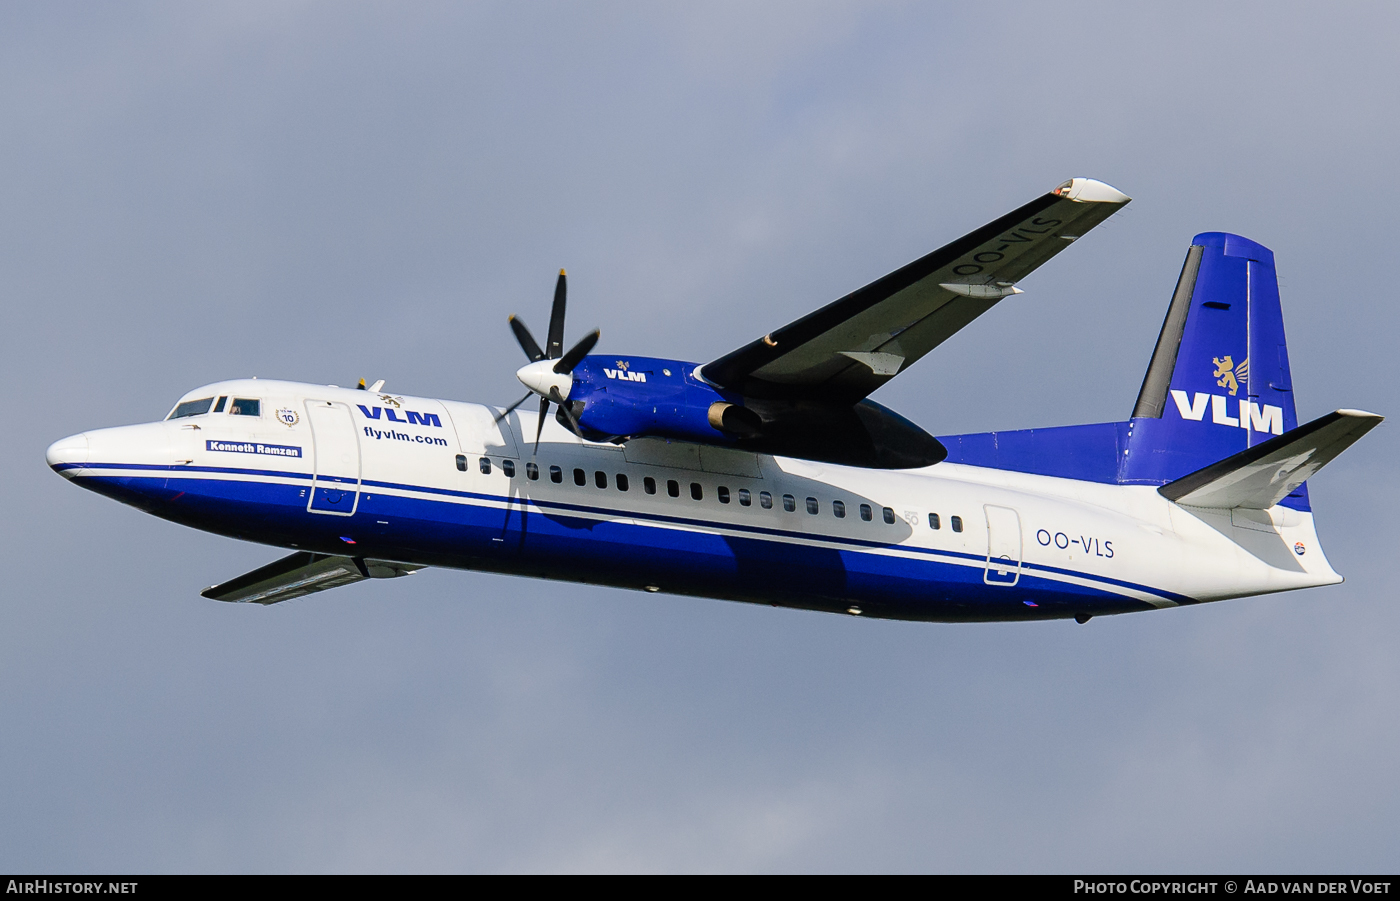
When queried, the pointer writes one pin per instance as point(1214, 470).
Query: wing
point(301, 574)
point(1263, 475)
point(850, 347)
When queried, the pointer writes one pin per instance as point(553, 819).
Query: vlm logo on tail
point(1248, 415)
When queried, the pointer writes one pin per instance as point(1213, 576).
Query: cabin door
point(335, 482)
point(1003, 546)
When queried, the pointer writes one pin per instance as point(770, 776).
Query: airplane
point(769, 476)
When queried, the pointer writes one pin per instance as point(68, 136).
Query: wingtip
point(1362, 414)
point(1090, 190)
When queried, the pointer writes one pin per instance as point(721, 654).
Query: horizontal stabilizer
point(301, 574)
point(1263, 475)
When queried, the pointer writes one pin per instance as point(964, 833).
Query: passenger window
point(865, 513)
point(621, 481)
point(723, 493)
point(695, 492)
point(789, 503)
point(889, 516)
point(580, 477)
point(933, 522)
point(957, 523)
point(649, 485)
point(745, 499)
point(838, 509)
point(461, 462)
point(191, 408)
point(244, 407)
point(484, 464)
point(508, 467)
point(556, 475)
point(600, 479)
point(219, 405)
point(532, 472)
point(765, 500)
point(812, 505)
point(673, 488)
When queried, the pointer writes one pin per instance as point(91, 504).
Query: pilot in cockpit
point(240, 406)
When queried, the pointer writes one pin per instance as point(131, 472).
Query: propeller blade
point(577, 352)
point(558, 398)
point(555, 347)
point(511, 409)
point(527, 340)
point(539, 430)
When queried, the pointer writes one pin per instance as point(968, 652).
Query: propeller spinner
point(550, 371)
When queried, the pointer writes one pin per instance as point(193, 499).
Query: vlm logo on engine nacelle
point(621, 373)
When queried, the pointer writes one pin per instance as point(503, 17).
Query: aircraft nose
point(68, 453)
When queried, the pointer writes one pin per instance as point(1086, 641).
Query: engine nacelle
point(634, 397)
point(643, 396)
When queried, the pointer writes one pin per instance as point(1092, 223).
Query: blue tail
point(1219, 380)
point(1218, 383)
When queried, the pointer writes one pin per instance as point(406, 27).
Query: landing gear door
point(1003, 546)
point(335, 480)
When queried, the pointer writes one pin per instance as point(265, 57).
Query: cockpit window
point(241, 406)
point(219, 407)
point(191, 408)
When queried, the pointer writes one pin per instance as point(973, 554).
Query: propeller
point(550, 371)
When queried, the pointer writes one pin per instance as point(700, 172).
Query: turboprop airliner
point(769, 476)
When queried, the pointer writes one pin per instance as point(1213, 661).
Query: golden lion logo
point(1228, 375)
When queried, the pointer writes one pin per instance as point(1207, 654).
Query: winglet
point(1263, 475)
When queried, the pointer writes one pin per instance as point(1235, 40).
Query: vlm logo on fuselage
point(390, 414)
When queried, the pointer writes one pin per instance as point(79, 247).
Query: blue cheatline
point(564, 540)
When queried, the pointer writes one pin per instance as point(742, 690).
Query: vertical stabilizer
point(1219, 381)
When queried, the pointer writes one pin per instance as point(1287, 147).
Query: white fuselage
point(437, 482)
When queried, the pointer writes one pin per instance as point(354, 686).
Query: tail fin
point(1217, 390)
point(1219, 381)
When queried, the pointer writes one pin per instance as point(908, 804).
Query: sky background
point(324, 191)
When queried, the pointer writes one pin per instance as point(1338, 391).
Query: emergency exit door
point(335, 480)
